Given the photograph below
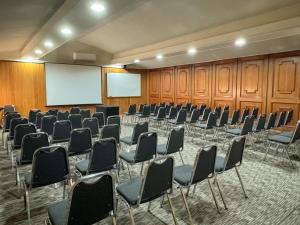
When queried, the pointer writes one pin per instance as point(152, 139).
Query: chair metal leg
point(131, 215)
point(162, 201)
point(194, 190)
point(285, 149)
point(113, 220)
point(186, 206)
point(221, 194)
point(214, 197)
point(172, 209)
point(142, 168)
point(240, 179)
point(128, 170)
point(26, 197)
point(149, 206)
point(64, 189)
point(181, 157)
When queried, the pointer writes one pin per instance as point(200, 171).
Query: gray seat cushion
point(82, 166)
point(287, 134)
point(219, 164)
point(235, 131)
point(128, 156)
point(183, 174)
point(280, 139)
point(130, 190)
point(57, 212)
point(126, 140)
point(161, 149)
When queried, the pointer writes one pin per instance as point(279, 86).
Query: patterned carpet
point(273, 188)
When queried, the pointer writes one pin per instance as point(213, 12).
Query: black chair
point(145, 113)
point(131, 112)
point(180, 119)
point(172, 113)
point(152, 107)
point(47, 124)
point(289, 117)
point(244, 114)
point(244, 130)
point(13, 123)
point(159, 117)
point(202, 169)
point(226, 107)
point(103, 157)
point(218, 111)
point(202, 108)
point(92, 199)
point(50, 165)
point(75, 120)
point(174, 144)
point(255, 112)
point(80, 142)
point(101, 119)
point(168, 109)
point(53, 112)
point(155, 112)
point(235, 117)
point(38, 119)
point(188, 107)
point(191, 109)
point(150, 186)
point(270, 122)
point(140, 109)
point(113, 120)
point(92, 123)
point(260, 126)
point(138, 129)
point(85, 113)
point(6, 124)
point(75, 110)
point(233, 159)
point(20, 131)
point(63, 115)
point(205, 114)
point(112, 130)
point(221, 123)
point(61, 131)
point(281, 119)
point(210, 125)
point(32, 115)
point(145, 151)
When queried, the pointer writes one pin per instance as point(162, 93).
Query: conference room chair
point(191, 110)
point(178, 106)
point(50, 165)
point(175, 143)
point(53, 112)
point(30, 143)
point(85, 113)
point(218, 111)
point(209, 126)
point(162, 104)
point(145, 151)
point(234, 118)
point(145, 115)
point(205, 115)
point(280, 119)
point(245, 113)
point(111, 130)
point(103, 157)
point(13, 123)
point(96, 193)
point(138, 129)
point(146, 188)
point(8, 108)
point(32, 115)
point(63, 115)
point(254, 112)
point(179, 120)
point(6, 125)
point(129, 115)
point(113, 120)
point(246, 128)
point(47, 124)
point(232, 159)
point(38, 119)
point(221, 124)
point(285, 142)
point(203, 168)
point(188, 107)
point(101, 119)
point(155, 112)
point(257, 131)
point(75, 110)
point(91, 123)
point(159, 118)
point(80, 142)
point(61, 131)
point(152, 107)
point(172, 113)
point(226, 107)
point(288, 117)
point(202, 108)
point(168, 108)
point(76, 121)
point(140, 109)
point(192, 120)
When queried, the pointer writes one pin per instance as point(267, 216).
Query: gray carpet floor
point(273, 187)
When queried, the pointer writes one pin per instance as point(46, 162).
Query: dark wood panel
point(167, 85)
point(183, 84)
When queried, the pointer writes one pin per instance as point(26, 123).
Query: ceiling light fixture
point(97, 7)
point(192, 51)
point(66, 31)
point(38, 51)
point(159, 56)
point(239, 42)
point(48, 44)
point(136, 61)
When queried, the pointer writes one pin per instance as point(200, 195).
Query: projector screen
point(123, 85)
point(72, 84)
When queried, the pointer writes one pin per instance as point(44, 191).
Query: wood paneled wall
point(270, 82)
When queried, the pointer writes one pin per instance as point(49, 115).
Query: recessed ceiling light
point(38, 51)
point(97, 7)
point(159, 56)
point(136, 61)
point(66, 31)
point(192, 51)
point(240, 42)
point(48, 44)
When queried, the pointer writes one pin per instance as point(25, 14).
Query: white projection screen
point(123, 85)
point(72, 84)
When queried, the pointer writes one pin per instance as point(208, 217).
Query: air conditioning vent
point(84, 57)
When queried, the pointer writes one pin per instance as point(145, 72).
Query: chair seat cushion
point(235, 131)
point(287, 134)
point(82, 166)
point(57, 212)
point(280, 139)
point(219, 164)
point(161, 149)
point(126, 140)
point(128, 156)
point(183, 174)
point(130, 190)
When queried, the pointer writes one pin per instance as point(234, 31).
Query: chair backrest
point(85, 113)
point(63, 115)
point(245, 113)
point(53, 112)
point(181, 116)
point(248, 125)
point(20, 131)
point(192, 108)
point(281, 118)
point(132, 109)
point(61, 131)
point(38, 119)
point(255, 112)
point(152, 107)
point(146, 110)
point(288, 117)
point(47, 124)
point(175, 140)
point(32, 115)
point(195, 116)
point(218, 111)
point(168, 109)
point(50, 165)
point(8, 118)
point(114, 120)
point(111, 130)
point(146, 147)
point(75, 120)
point(162, 104)
point(15, 122)
point(296, 134)
point(8, 108)
point(234, 155)
point(224, 118)
point(171, 103)
point(178, 106)
point(205, 114)
point(226, 107)
point(100, 117)
point(138, 129)
point(204, 164)
point(93, 199)
point(75, 110)
point(235, 117)
point(202, 108)
point(261, 123)
point(103, 156)
point(93, 124)
point(155, 186)
point(30, 143)
point(188, 107)
point(157, 107)
point(80, 141)
point(161, 113)
point(212, 120)
point(173, 112)
point(141, 108)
